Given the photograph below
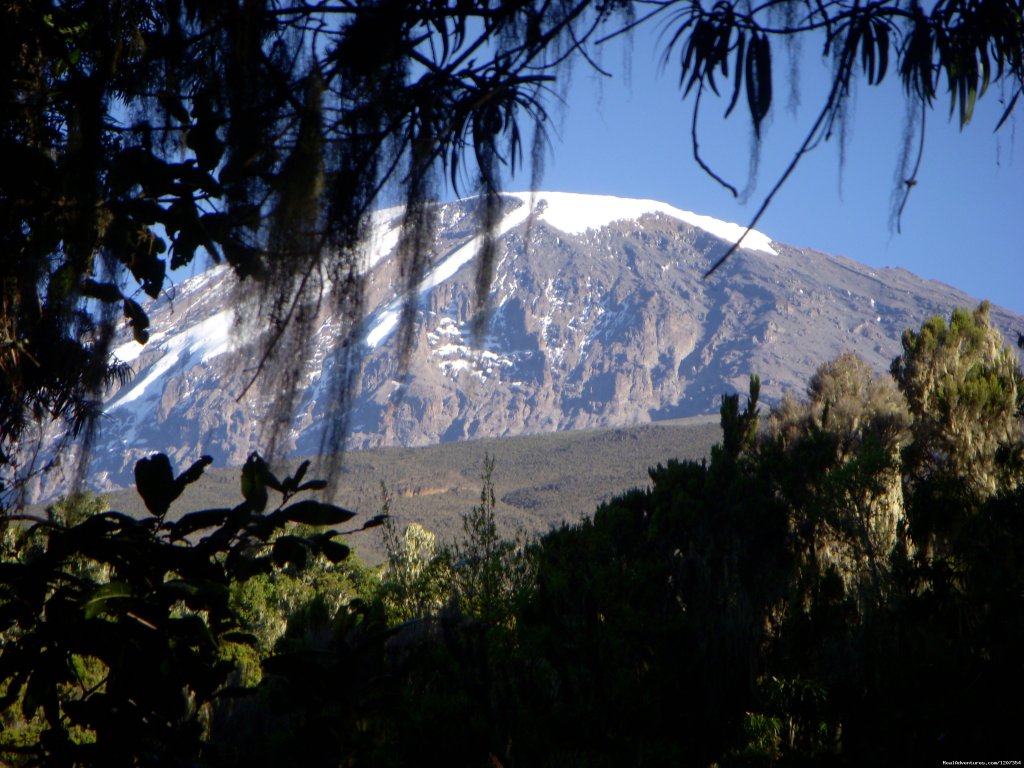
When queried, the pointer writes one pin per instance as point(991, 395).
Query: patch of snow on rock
point(383, 238)
point(385, 322)
point(199, 343)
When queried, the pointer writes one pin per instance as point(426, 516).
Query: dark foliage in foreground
point(116, 631)
point(806, 597)
point(791, 602)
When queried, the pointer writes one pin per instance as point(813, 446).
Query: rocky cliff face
point(600, 317)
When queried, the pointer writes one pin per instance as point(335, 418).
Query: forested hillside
point(840, 584)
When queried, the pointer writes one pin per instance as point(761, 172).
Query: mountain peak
point(599, 317)
point(575, 213)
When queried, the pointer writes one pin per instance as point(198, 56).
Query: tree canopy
point(797, 598)
point(137, 134)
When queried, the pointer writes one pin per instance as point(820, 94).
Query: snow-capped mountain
point(600, 317)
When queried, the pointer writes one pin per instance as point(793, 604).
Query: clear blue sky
point(629, 135)
point(964, 224)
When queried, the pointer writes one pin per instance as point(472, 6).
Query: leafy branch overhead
point(969, 45)
point(137, 135)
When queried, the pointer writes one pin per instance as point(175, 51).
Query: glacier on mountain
point(568, 212)
point(598, 316)
point(575, 213)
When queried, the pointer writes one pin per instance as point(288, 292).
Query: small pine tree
point(846, 398)
point(489, 572)
point(836, 457)
point(415, 577)
point(962, 383)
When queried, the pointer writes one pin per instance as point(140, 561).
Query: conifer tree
point(963, 386)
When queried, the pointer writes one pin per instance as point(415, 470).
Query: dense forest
point(840, 583)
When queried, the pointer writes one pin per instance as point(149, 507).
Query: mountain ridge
point(602, 322)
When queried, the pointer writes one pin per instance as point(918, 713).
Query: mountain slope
point(540, 481)
point(599, 317)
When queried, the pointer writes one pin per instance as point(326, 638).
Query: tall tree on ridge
point(965, 391)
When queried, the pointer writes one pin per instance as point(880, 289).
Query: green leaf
point(154, 481)
point(205, 142)
point(310, 512)
point(759, 80)
point(375, 521)
point(291, 484)
point(193, 473)
point(882, 42)
point(740, 48)
point(181, 588)
point(197, 521)
point(334, 551)
point(291, 549)
point(242, 567)
point(1009, 108)
point(863, 34)
point(967, 103)
point(254, 481)
point(97, 602)
point(105, 292)
point(240, 637)
point(37, 688)
point(62, 282)
point(197, 593)
point(138, 319)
